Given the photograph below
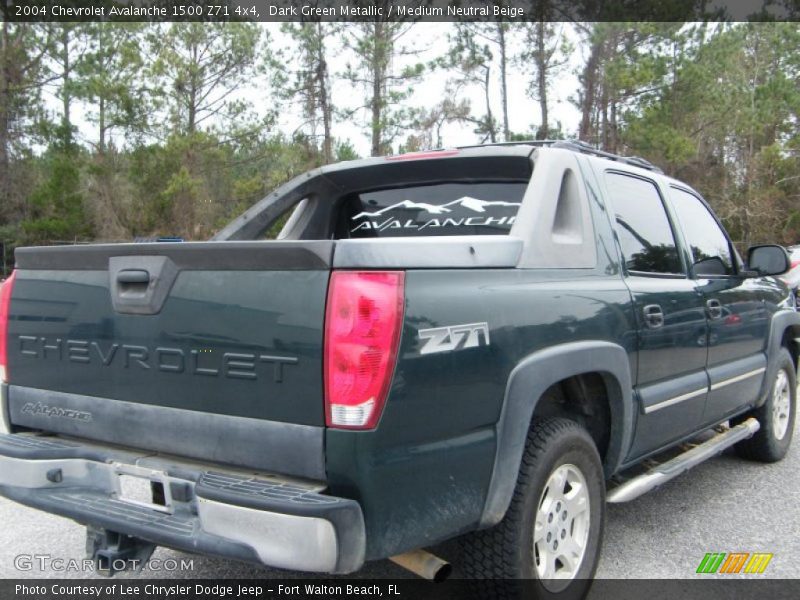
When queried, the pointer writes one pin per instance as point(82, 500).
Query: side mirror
point(768, 260)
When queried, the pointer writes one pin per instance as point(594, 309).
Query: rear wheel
point(552, 531)
point(776, 416)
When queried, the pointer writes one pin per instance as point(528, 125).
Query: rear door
point(737, 315)
point(671, 384)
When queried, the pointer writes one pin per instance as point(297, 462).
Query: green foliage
point(108, 79)
point(345, 151)
point(192, 185)
point(22, 73)
point(554, 132)
point(198, 67)
point(174, 147)
point(55, 207)
point(722, 114)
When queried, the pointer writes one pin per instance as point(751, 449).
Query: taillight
point(5, 305)
point(362, 331)
point(794, 264)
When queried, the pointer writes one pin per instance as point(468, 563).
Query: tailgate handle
point(133, 276)
point(139, 285)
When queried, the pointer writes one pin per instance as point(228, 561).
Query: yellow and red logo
point(734, 562)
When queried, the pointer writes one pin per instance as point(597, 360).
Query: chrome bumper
point(258, 518)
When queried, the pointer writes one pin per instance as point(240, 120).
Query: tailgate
point(210, 350)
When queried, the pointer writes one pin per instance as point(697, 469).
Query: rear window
point(474, 208)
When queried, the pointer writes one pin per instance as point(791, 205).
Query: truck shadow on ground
point(665, 533)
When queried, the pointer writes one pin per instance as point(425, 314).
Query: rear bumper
point(262, 519)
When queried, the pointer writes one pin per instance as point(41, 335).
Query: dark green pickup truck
point(483, 342)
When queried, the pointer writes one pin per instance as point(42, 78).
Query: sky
point(432, 38)
point(523, 110)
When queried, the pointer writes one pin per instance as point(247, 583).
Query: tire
point(776, 416)
point(517, 548)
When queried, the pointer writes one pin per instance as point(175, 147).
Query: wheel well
point(582, 398)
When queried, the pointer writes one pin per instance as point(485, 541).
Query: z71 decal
point(454, 337)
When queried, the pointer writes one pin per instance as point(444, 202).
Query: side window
point(643, 228)
point(711, 252)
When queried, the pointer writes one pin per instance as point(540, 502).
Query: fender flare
point(781, 321)
point(527, 383)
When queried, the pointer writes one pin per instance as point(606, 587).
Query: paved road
point(723, 505)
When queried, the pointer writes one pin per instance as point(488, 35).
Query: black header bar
point(399, 10)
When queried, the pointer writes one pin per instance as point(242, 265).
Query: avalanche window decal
point(443, 209)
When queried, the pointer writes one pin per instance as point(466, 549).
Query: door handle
point(133, 276)
point(714, 307)
point(133, 282)
point(653, 316)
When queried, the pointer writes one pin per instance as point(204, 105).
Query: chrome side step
point(667, 471)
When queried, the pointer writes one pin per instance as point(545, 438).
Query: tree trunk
point(613, 131)
point(101, 100)
point(101, 123)
point(324, 99)
point(5, 186)
point(191, 125)
point(541, 68)
point(604, 129)
point(588, 100)
point(490, 128)
point(66, 98)
point(503, 84)
point(377, 88)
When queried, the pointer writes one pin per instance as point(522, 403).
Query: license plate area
point(143, 487)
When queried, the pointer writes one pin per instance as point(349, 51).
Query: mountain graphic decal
point(473, 204)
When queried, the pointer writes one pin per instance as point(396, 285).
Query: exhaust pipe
point(424, 564)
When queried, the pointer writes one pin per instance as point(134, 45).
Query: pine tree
point(377, 46)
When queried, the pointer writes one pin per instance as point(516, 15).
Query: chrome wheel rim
point(561, 528)
point(781, 404)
